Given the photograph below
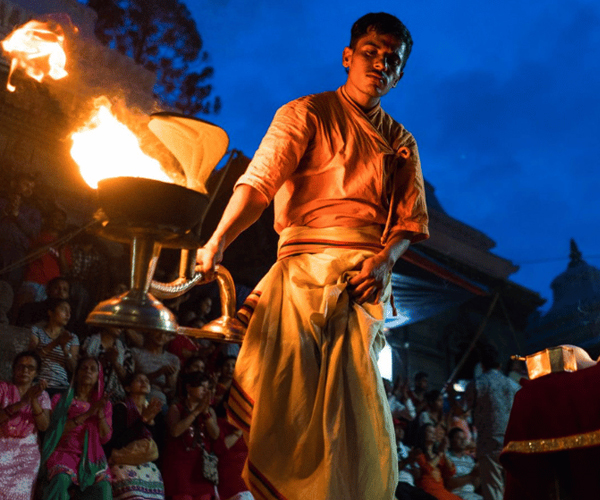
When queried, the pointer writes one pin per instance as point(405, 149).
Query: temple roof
point(578, 285)
point(575, 312)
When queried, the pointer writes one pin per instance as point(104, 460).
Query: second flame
point(38, 50)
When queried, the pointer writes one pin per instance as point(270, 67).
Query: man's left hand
point(373, 276)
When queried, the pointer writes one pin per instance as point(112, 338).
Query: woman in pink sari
point(81, 424)
point(24, 410)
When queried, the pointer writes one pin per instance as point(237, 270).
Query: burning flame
point(38, 50)
point(106, 148)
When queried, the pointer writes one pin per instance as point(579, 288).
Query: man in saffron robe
point(349, 199)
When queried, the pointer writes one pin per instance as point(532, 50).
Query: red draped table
point(552, 443)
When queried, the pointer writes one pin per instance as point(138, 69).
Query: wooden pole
point(474, 341)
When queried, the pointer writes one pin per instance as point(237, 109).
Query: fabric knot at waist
point(302, 239)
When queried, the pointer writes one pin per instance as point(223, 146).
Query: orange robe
point(327, 163)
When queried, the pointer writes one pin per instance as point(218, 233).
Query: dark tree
point(161, 36)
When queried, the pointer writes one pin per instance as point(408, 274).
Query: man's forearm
point(244, 208)
point(395, 246)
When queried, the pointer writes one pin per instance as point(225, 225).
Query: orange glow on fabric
point(106, 148)
point(38, 49)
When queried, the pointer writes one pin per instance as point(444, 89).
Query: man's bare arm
point(244, 208)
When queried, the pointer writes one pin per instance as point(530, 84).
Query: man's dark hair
point(489, 357)
point(384, 24)
point(224, 360)
point(432, 396)
point(420, 376)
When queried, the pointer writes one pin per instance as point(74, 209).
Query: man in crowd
point(400, 403)
point(417, 395)
point(466, 479)
point(349, 200)
point(491, 396)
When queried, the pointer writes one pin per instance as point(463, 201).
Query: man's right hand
point(208, 257)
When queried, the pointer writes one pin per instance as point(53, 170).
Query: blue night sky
point(501, 96)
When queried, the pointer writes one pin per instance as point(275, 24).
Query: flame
point(37, 48)
point(106, 148)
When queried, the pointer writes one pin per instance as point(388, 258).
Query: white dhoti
point(307, 391)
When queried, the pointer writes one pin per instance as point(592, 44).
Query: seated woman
point(116, 358)
point(57, 347)
point(434, 466)
point(81, 423)
point(24, 411)
point(133, 447)
point(191, 430)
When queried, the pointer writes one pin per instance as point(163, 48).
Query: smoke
point(97, 75)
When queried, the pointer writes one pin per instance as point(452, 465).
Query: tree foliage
point(162, 36)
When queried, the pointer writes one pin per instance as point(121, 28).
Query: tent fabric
point(417, 299)
point(423, 288)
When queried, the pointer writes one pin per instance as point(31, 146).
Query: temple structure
point(574, 317)
point(451, 293)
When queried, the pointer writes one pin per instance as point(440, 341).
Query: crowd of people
point(449, 443)
point(99, 413)
point(125, 426)
point(96, 418)
point(143, 414)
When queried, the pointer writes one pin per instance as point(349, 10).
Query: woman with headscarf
point(116, 358)
point(81, 423)
point(24, 410)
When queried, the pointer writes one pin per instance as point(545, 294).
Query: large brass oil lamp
point(151, 215)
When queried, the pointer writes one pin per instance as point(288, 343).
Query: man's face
point(374, 67)
point(422, 384)
point(58, 221)
point(228, 368)
point(399, 432)
point(459, 441)
point(206, 306)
